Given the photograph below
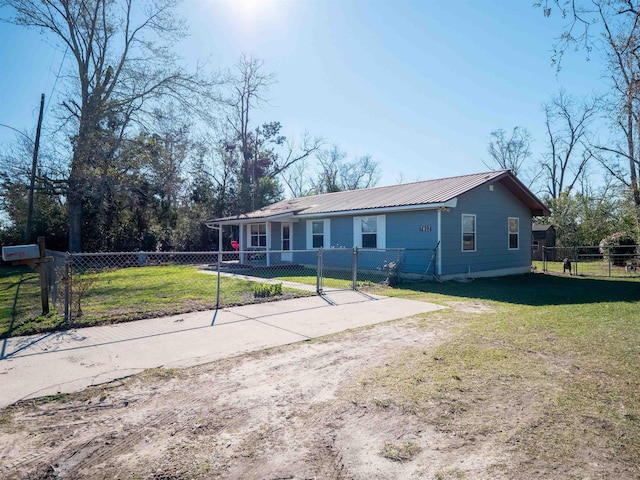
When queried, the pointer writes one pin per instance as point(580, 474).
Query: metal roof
point(429, 193)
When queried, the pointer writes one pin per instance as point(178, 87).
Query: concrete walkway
point(69, 361)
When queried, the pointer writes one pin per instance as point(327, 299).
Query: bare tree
point(330, 161)
point(567, 122)
point(613, 27)
point(249, 85)
point(361, 173)
point(332, 173)
point(336, 174)
point(265, 153)
point(509, 152)
point(297, 180)
point(122, 67)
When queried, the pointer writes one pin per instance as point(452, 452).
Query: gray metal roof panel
point(410, 194)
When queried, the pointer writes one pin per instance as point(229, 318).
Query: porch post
point(242, 240)
point(439, 245)
point(268, 232)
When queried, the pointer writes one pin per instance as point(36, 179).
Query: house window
point(317, 234)
point(514, 233)
point(468, 233)
point(258, 235)
point(369, 232)
point(535, 245)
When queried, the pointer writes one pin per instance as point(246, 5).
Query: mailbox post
point(35, 257)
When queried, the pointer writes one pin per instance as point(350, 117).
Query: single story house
point(542, 236)
point(471, 225)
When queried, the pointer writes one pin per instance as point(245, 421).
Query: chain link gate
point(357, 268)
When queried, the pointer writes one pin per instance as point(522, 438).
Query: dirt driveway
point(281, 413)
point(298, 412)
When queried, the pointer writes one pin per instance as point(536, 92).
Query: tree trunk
point(75, 223)
point(75, 197)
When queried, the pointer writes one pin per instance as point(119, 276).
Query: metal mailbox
point(20, 252)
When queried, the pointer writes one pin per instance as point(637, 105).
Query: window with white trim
point(468, 233)
point(535, 245)
point(317, 234)
point(258, 235)
point(369, 232)
point(514, 233)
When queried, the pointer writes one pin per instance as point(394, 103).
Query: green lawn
point(546, 366)
point(20, 305)
point(332, 278)
point(117, 296)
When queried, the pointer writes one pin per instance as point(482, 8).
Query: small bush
point(620, 246)
point(400, 452)
point(264, 290)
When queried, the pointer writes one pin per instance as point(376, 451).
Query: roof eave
point(520, 190)
point(451, 203)
point(240, 221)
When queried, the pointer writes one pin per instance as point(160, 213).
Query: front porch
point(267, 243)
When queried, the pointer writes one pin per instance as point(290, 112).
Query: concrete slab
point(64, 362)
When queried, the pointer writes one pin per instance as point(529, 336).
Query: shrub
point(263, 290)
point(619, 246)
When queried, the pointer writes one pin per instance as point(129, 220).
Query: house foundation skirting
point(503, 272)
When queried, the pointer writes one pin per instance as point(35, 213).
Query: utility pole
point(34, 166)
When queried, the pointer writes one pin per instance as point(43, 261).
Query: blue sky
point(419, 85)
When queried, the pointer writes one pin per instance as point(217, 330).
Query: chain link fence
point(596, 261)
point(95, 288)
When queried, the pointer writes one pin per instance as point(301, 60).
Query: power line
point(64, 57)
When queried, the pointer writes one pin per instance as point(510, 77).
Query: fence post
point(218, 287)
point(575, 259)
point(354, 268)
point(435, 260)
point(68, 259)
point(319, 273)
point(609, 257)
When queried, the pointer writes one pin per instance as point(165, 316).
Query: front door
point(286, 255)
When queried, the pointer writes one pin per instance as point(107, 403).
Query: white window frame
point(535, 245)
point(288, 226)
point(258, 235)
point(326, 233)
point(475, 232)
point(516, 233)
point(381, 231)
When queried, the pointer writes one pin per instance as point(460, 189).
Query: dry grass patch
point(551, 387)
point(400, 452)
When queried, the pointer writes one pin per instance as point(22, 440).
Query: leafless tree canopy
point(611, 27)
point(509, 151)
point(567, 123)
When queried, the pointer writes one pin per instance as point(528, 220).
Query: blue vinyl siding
point(404, 231)
point(299, 233)
point(492, 210)
point(341, 232)
point(417, 233)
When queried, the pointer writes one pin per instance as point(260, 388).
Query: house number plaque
point(425, 228)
